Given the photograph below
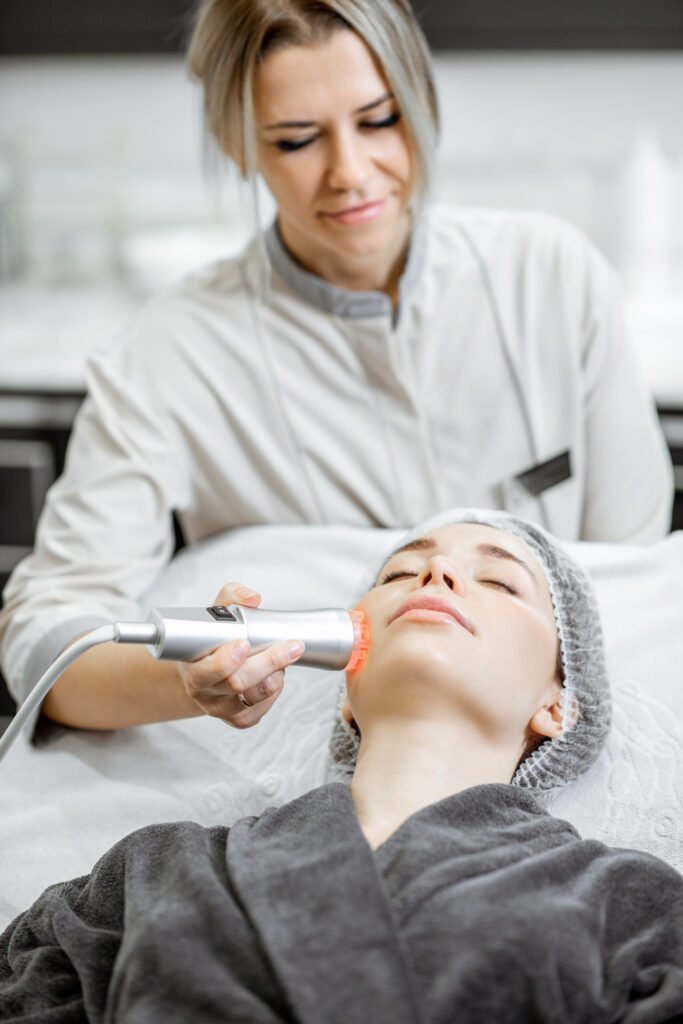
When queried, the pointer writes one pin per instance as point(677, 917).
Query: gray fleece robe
point(479, 908)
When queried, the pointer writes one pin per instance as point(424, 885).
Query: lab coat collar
point(344, 302)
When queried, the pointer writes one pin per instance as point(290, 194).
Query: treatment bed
point(66, 798)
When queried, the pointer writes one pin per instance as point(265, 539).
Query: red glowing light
point(361, 640)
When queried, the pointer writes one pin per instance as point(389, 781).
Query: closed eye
point(292, 145)
point(390, 576)
point(385, 122)
point(500, 583)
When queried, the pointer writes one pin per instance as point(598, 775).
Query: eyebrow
point(311, 124)
point(491, 550)
point(497, 552)
point(421, 544)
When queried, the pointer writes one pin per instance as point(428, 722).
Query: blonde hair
point(230, 37)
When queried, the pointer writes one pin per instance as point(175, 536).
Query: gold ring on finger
point(243, 700)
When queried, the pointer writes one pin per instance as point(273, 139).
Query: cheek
point(302, 177)
point(410, 654)
point(527, 644)
point(396, 155)
point(289, 181)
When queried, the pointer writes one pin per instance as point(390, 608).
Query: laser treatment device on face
point(334, 639)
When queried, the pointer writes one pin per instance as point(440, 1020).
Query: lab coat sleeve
point(106, 529)
point(629, 477)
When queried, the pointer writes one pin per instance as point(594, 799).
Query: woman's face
point(461, 622)
point(333, 151)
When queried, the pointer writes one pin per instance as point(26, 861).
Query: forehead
point(472, 534)
point(340, 68)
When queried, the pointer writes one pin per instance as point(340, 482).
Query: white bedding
point(63, 804)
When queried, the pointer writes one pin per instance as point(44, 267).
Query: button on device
point(220, 612)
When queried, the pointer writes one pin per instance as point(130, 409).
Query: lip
point(440, 605)
point(358, 214)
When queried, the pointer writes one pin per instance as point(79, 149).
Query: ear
point(547, 720)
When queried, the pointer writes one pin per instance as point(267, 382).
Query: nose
point(349, 164)
point(440, 570)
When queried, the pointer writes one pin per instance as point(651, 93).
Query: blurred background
point(575, 109)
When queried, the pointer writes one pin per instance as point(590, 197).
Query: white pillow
point(633, 795)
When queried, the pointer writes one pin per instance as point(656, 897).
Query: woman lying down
point(434, 887)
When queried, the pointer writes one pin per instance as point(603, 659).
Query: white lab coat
point(321, 405)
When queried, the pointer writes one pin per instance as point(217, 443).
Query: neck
point(404, 766)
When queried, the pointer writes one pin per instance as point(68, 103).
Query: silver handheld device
point(333, 637)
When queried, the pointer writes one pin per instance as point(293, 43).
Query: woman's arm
point(104, 537)
point(115, 686)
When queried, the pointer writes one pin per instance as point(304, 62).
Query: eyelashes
point(287, 146)
point(499, 583)
point(385, 122)
point(391, 576)
point(292, 145)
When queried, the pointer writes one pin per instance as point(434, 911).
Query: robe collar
point(311, 886)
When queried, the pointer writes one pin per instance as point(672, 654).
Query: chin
point(363, 247)
point(417, 663)
point(377, 248)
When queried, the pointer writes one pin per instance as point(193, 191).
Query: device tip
point(361, 640)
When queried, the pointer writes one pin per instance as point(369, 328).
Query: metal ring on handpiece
point(244, 700)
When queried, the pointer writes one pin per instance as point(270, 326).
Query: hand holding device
point(214, 640)
point(232, 682)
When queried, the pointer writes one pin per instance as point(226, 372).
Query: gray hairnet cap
point(585, 701)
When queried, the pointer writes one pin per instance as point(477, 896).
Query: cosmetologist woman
point(368, 360)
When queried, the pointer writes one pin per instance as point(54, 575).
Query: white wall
point(95, 152)
point(597, 138)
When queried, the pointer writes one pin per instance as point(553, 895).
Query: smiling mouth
point(358, 214)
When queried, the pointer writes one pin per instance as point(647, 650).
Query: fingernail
point(295, 649)
point(241, 648)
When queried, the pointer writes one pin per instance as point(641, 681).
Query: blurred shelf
point(154, 26)
point(46, 335)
